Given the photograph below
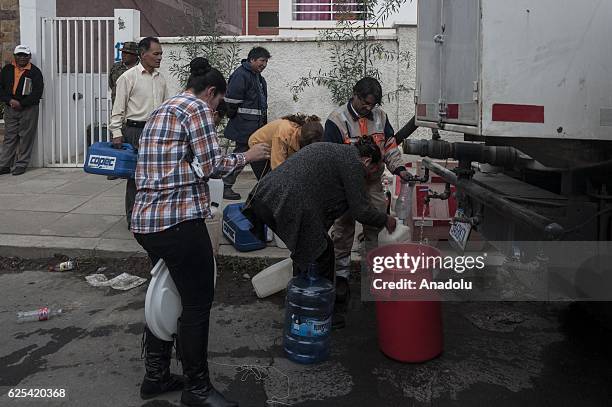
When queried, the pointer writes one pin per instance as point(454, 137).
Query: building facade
point(306, 17)
point(260, 17)
point(163, 18)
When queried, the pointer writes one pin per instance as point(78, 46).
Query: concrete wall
point(294, 57)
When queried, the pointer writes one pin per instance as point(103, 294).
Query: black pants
point(131, 135)
point(326, 262)
point(260, 215)
point(260, 168)
point(230, 179)
point(188, 254)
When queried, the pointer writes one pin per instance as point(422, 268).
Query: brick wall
point(255, 6)
point(9, 29)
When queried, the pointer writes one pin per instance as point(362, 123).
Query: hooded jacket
point(247, 103)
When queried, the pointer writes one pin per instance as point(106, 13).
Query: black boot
point(343, 296)
point(193, 349)
point(343, 291)
point(230, 195)
point(158, 378)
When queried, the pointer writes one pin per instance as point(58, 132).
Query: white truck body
point(521, 68)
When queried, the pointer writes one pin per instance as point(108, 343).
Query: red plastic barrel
point(409, 330)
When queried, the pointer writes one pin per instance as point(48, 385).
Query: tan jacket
point(282, 136)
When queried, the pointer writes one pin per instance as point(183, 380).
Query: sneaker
point(4, 170)
point(19, 170)
point(230, 195)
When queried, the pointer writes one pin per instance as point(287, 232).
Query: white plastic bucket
point(163, 302)
point(273, 279)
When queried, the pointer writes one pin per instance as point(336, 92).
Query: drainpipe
point(246, 12)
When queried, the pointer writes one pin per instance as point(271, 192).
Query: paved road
point(93, 352)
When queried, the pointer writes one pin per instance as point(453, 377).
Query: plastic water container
point(308, 317)
point(163, 304)
point(273, 279)
point(103, 159)
point(401, 234)
point(215, 190)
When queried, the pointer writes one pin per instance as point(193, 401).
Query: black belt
point(135, 123)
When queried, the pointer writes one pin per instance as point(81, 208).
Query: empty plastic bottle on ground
point(41, 314)
point(63, 266)
point(309, 308)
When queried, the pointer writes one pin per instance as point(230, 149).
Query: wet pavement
point(502, 354)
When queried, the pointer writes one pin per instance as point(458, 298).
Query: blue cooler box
point(236, 228)
point(103, 159)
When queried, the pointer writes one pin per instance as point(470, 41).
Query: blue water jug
point(308, 317)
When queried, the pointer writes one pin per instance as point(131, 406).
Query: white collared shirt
point(138, 94)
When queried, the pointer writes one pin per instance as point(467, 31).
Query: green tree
point(352, 49)
point(205, 40)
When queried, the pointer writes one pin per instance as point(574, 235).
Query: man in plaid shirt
point(172, 202)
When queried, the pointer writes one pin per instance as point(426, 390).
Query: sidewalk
point(63, 210)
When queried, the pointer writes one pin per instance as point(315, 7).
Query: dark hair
point(367, 148)
point(300, 118)
point(368, 86)
point(258, 52)
point(312, 132)
point(203, 76)
point(145, 44)
point(222, 109)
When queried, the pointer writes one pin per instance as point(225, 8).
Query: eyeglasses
point(365, 103)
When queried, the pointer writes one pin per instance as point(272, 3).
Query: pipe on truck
point(549, 229)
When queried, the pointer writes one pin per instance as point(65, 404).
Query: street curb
point(32, 247)
point(35, 246)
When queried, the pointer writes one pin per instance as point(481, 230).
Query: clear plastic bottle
point(41, 314)
point(308, 316)
point(403, 204)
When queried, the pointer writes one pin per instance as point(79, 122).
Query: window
point(326, 10)
point(267, 19)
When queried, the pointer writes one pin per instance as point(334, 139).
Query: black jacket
point(247, 103)
point(7, 77)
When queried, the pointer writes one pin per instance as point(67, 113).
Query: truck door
point(428, 85)
point(455, 67)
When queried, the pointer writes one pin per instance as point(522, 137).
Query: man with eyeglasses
point(361, 117)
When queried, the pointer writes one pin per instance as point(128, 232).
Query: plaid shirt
point(168, 190)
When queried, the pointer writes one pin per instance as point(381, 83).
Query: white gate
point(77, 55)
